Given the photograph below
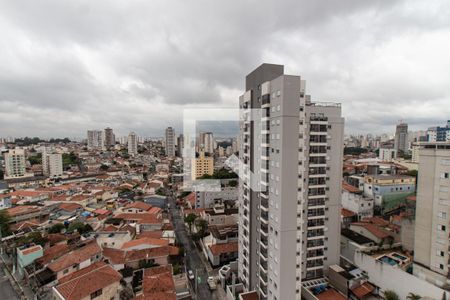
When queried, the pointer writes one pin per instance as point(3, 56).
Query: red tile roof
point(347, 213)
point(363, 290)
point(350, 188)
point(31, 250)
point(145, 241)
point(330, 294)
point(218, 249)
point(75, 257)
point(22, 210)
point(70, 206)
point(141, 218)
point(374, 229)
point(158, 283)
point(53, 253)
point(117, 256)
point(84, 282)
point(139, 205)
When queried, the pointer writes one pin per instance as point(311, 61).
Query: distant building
point(202, 165)
point(401, 138)
point(439, 134)
point(132, 144)
point(415, 153)
point(381, 186)
point(109, 138)
point(354, 200)
point(207, 142)
point(431, 242)
point(94, 139)
point(15, 166)
point(170, 142)
point(387, 154)
point(52, 164)
point(180, 145)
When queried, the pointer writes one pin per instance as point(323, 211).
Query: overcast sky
point(68, 66)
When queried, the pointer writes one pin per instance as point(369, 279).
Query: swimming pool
point(401, 257)
point(389, 260)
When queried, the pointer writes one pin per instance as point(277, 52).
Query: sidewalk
point(24, 292)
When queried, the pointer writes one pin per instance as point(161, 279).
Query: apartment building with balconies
point(290, 187)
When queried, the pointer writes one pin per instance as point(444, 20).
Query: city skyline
point(385, 61)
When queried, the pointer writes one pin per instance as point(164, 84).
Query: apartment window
point(441, 227)
point(442, 215)
point(440, 253)
point(444, 176)
point(278, 93)
point(278, 107)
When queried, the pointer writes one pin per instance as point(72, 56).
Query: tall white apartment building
point(170, 142)
point(52, 164)
point(132, 144)
point(207, 142)
point(94, 139)
point(289, 199)
point(432, 228)
point(15, 166)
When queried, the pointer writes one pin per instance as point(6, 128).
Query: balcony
point(265, 99)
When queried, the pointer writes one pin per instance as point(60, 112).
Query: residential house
point(97, 281)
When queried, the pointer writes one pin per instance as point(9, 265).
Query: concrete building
point(354, 200)
point(290, 189)
point(132, 144)
point(431, 242)
point(401, 138)
point(415, 152)
point(170, 142)
point(387, 154)
point(202, 165)
point(15, 164)
point(180, 145)
point(52, 164)
point(439, 134)
point(207, 199)
point(109, 138)
point(94, 139)
point(207, 142)
point(378, 186)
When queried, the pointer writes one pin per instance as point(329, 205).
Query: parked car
point(191, 275)
point(212, 283)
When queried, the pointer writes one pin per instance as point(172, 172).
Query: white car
point(191, 275)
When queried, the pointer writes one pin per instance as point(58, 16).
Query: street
point(6, 290)
point(193, 260)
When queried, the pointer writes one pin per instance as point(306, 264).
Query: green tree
point(35, 159)
point(56, 228)
point(202, 226)
point(80, 227)
point(189, 219)
point(412, 296)
point(391, 295)
point(4, 223)
point(33, 237)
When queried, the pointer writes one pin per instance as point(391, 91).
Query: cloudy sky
point(68, 66)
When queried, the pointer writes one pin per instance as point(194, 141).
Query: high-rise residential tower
point(94, 139)
point(401, 138)
point(180, 145)
point(290, 192)
point(15, 164)
point(132, 144)
point(109, 138)
point(52, 164)
point(431, 241)
point(170, 142)
point(207, 142)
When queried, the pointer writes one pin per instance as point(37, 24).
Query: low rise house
point(157, 283)
point(5, 201)
point(26, 255)
point(97, 281)
point(77, 259)
point(26, 212)
point(354, 200)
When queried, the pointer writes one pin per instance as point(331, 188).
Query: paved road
point(193, 260)
point(6, 290)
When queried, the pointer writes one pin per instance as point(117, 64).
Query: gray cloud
point(69, 66)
